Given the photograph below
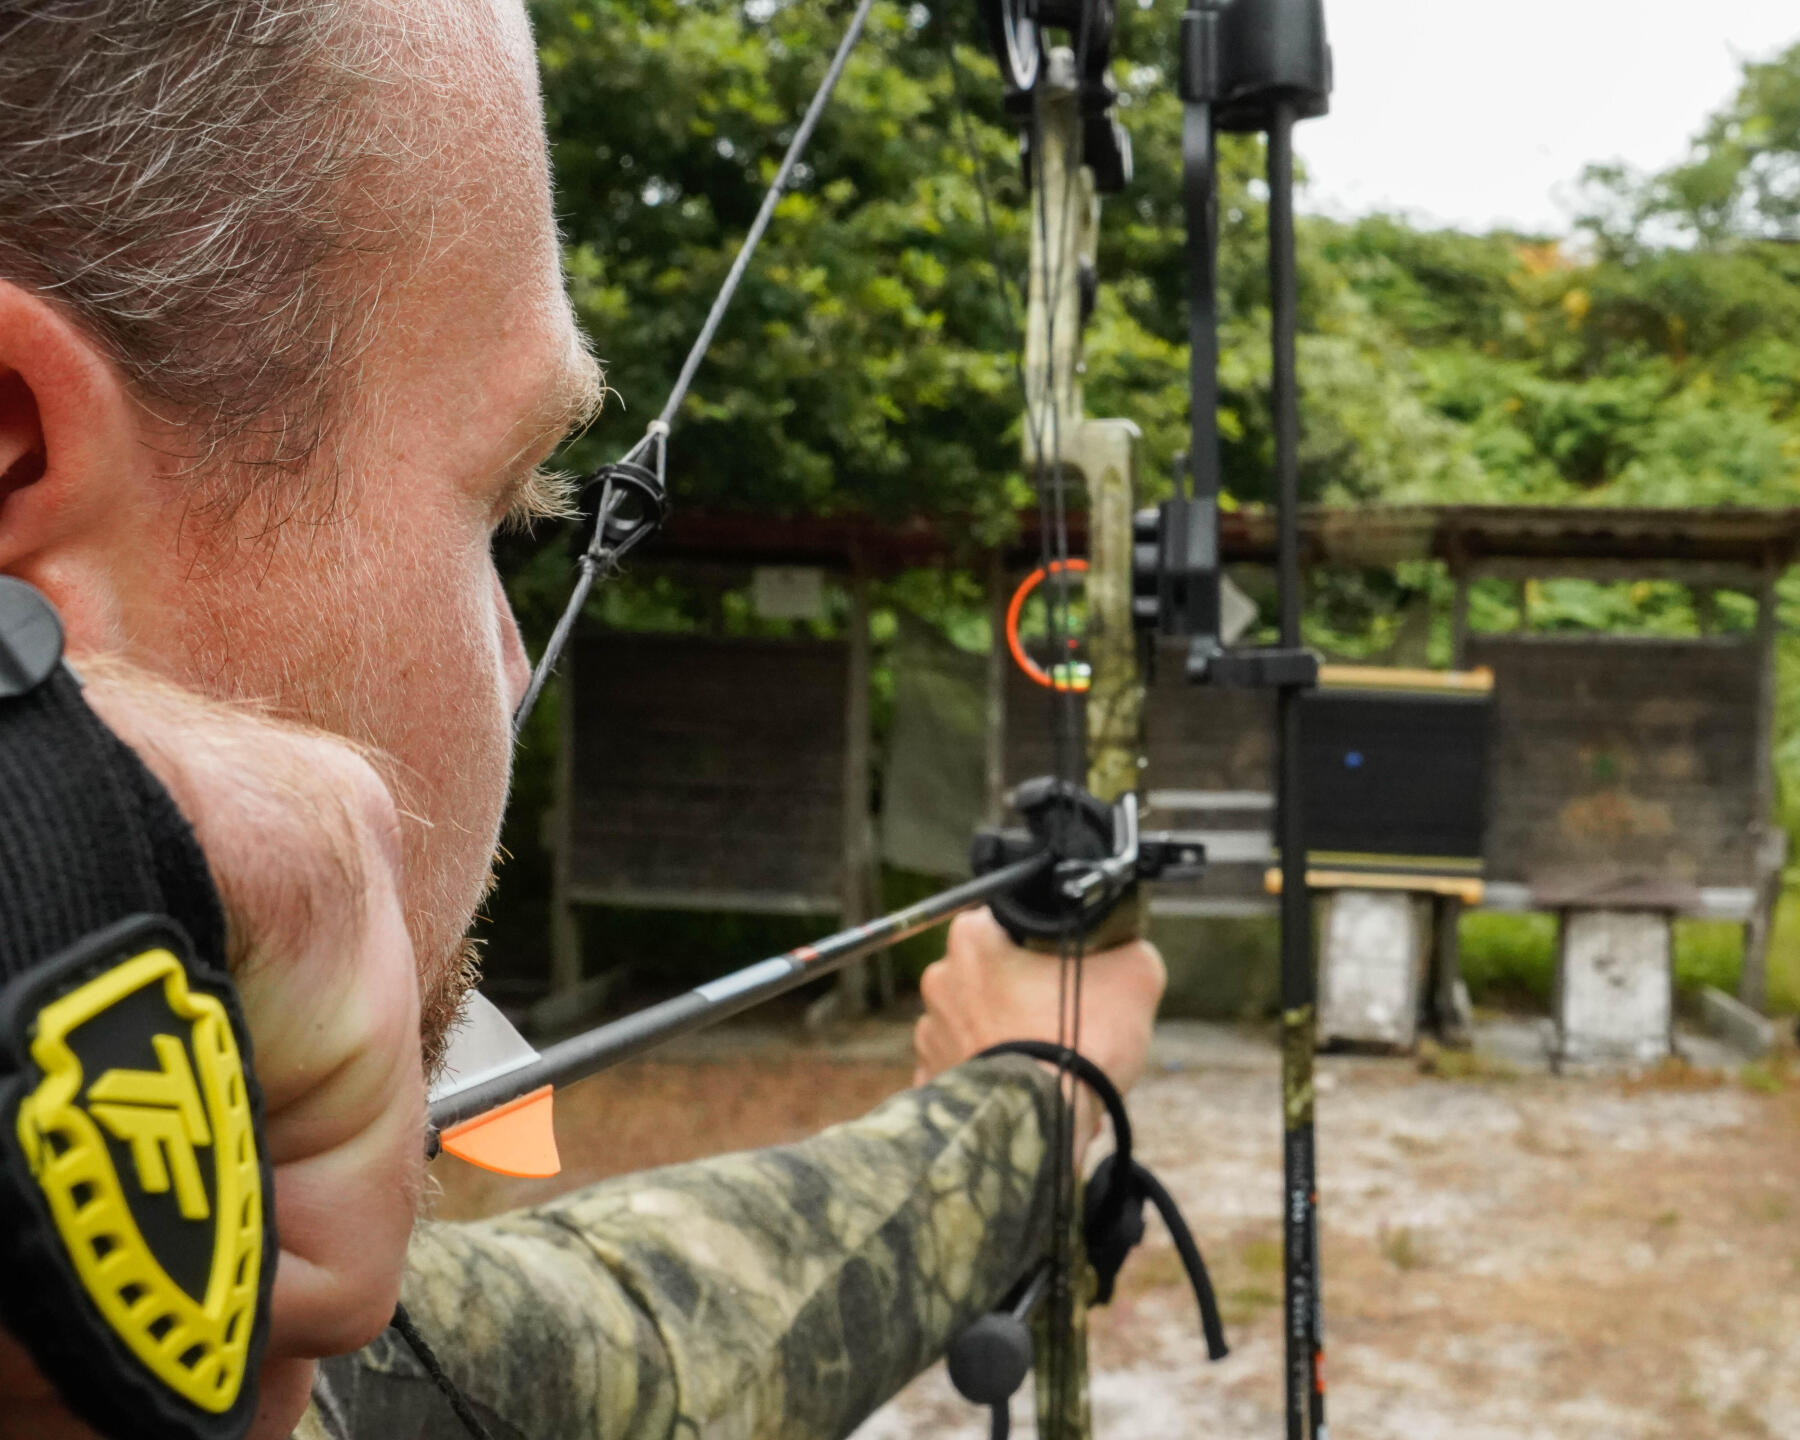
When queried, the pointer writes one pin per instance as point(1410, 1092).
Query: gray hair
point(181, 174)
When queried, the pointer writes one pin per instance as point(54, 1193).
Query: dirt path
point(1527, 1259)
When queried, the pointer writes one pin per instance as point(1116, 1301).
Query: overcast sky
point(1477, 113)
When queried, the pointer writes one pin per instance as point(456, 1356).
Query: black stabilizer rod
point(1259, 66)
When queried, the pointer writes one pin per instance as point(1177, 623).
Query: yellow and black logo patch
point(140, 1134)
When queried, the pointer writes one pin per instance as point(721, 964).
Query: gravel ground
point(1507, 1256)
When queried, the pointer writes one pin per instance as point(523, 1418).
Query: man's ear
point(75, 471)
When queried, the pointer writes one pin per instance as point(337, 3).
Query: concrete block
point(1372, 964)
point(1615, 987)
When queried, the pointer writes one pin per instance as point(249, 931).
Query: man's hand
point(302, 837)
point(986, 990)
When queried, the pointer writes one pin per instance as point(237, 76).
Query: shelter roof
point(1472, 536)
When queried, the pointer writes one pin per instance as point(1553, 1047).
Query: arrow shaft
point(631, 1035)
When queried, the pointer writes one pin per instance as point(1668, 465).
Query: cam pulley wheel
point(1013, 35)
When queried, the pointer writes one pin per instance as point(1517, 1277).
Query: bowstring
point(1066, 756)
point(1012, 308)
point(597, 559)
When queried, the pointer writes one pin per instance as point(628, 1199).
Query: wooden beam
point(1461, 887)
point(1479, 681)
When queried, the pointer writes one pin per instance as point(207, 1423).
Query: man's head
point(282, 338)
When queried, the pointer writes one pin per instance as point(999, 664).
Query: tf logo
point(139, 1134)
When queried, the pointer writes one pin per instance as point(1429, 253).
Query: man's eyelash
point(544, 494)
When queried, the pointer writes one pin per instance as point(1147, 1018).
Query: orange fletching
point(517, 1138)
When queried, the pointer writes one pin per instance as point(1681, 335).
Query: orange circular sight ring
point(1038, 674)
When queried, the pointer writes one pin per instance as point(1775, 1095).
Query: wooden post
point(1459, 617)
point(1449, 1017)
point(1770, 839)
point(1765, 695)
point(993, 790)
point(855, 885)
point(1706, 608)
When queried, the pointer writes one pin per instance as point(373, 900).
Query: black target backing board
point(1395, 777)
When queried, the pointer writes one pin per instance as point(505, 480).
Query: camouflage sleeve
point(783, 1292)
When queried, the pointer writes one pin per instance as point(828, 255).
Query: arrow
point(492, 1106)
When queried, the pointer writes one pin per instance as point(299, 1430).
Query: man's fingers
point(304, 843)
point(285, 1389)
point(297, 827)
point(987, 990)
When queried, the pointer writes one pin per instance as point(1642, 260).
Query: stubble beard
point(445, 985)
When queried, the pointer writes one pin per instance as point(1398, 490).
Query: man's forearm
point(783, 1292)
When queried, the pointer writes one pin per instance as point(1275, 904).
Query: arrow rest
point(1101, 857)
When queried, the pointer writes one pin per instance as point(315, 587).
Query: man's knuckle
point(357, 808)
point(362, 792)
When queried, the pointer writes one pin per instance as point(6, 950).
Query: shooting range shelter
point(1630, 774)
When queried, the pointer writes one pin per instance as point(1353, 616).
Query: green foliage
point(1742, 180)
point(1510, 960)
point(868, 364)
